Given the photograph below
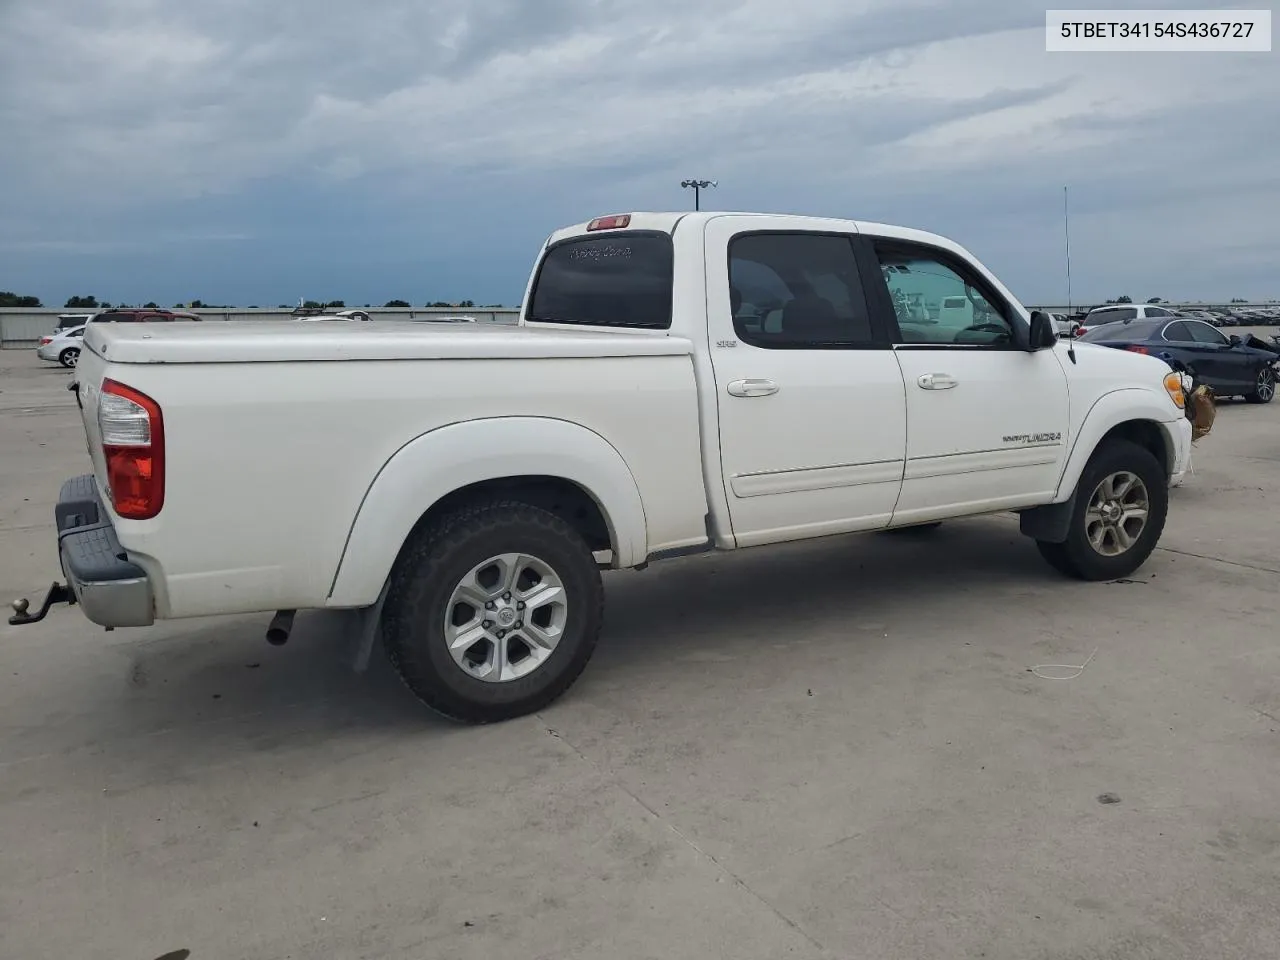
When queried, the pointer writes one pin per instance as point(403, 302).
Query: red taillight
point(1134, 348)
point(45, 340)
point(133, 446)
point(616, 222)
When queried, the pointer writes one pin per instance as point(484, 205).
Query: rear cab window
point(619, 279)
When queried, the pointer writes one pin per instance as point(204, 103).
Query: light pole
point(698, 187)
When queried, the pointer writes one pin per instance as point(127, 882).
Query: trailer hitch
point(58, 593)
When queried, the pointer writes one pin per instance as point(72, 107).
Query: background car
point(62, 346)
point(141, 315)
point(338, 315)
point(1226, 364)
point(68, 321)
point(1115, 313)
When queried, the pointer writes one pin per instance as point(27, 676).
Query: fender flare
point(1050, 522)
point(449, 458)
point(1108, 412)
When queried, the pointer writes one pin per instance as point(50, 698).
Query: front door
point(987, 422)
point(810, 398)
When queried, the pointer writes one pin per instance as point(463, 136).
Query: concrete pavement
point(828, 750)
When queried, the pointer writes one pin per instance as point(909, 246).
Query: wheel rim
point(1117, 513)
point(73, 357)
point(1266, 384)
point(505, 617)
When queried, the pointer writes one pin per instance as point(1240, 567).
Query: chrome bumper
point(111, 589)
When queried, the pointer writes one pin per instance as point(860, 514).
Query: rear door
point(809, 396)
point(987, 422)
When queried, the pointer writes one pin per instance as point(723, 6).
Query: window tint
point(797, 290)
point(1203, 333)
point(1137, 330)
point(618, 280)
point(1177, 332)
point(936, 304)
point(1111, 316)
point(1159, 312)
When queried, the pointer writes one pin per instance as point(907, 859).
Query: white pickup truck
point(677, 382)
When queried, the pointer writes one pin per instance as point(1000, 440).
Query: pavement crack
point(688, 841)
point(1233, 563)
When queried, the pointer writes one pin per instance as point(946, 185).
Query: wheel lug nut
point(501, 634)
point(520, 605)
point(488, 624)
point(506, 596)
point(490, 605)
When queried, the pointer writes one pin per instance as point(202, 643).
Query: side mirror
point(1235, 341)
point(1042, 332)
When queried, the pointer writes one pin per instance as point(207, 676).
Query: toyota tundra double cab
point(677, 383)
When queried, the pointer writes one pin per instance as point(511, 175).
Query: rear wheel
point(493, 612)
point(1264, 387)
point(1122, 501)
point(69, 357)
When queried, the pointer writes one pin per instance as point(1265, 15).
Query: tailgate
point(90, 372)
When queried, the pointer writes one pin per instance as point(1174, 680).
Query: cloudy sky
point(252, 152)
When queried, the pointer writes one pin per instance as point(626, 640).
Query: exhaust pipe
point(280, 627)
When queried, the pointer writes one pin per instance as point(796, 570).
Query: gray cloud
point(946, 116)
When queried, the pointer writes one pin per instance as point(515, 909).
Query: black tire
point(1264, 387)
point(915, 530)
point(69, 357)
point(1076, 556)
point(422, 585)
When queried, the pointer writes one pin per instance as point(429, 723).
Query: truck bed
point(275, 434)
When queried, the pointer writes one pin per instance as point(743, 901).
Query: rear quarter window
point(614, 280)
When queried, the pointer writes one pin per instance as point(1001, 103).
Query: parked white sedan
point(62, 347)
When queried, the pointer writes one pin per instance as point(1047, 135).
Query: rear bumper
point(110, 589)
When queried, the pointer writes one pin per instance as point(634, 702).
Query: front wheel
point(493, 612)
point(1264, 387)
point(69, 357)
point(1122, 501)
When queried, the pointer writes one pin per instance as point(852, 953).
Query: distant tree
point(283, 306)
point(440, 303)
point(493, 306)
point(253, 306)
point(10, 299)
point(83, 303)
point(397, 303)
point(312, 305)
point(335, 304)
point(197, 304)
point(151, 305)
point(467, 303)
point(1239, 300)
point(106, 305)
point(1155, 300)
point(1124, 299)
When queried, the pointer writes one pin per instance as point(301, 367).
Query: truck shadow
point(220, 689)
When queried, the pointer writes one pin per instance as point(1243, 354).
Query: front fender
point(1108, 412)
point(436, 464)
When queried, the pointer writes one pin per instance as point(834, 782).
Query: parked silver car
point(62, 347)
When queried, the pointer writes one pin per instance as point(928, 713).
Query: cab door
point(987, 422)
point(810, 400)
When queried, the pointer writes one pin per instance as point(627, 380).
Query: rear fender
point(450, 458)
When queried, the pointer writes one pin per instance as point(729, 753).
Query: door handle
point(937, 381)
point(751, 388)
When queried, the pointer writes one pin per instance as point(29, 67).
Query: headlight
point(1173, 385)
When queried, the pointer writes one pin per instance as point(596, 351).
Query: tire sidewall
point(70, 354)
point(1268, 375)
point(1111, 459)
point(418, 613)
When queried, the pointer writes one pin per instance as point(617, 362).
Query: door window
point(934, 303)
point(797, 290)
point(1203, 333)
point(1177, 332)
